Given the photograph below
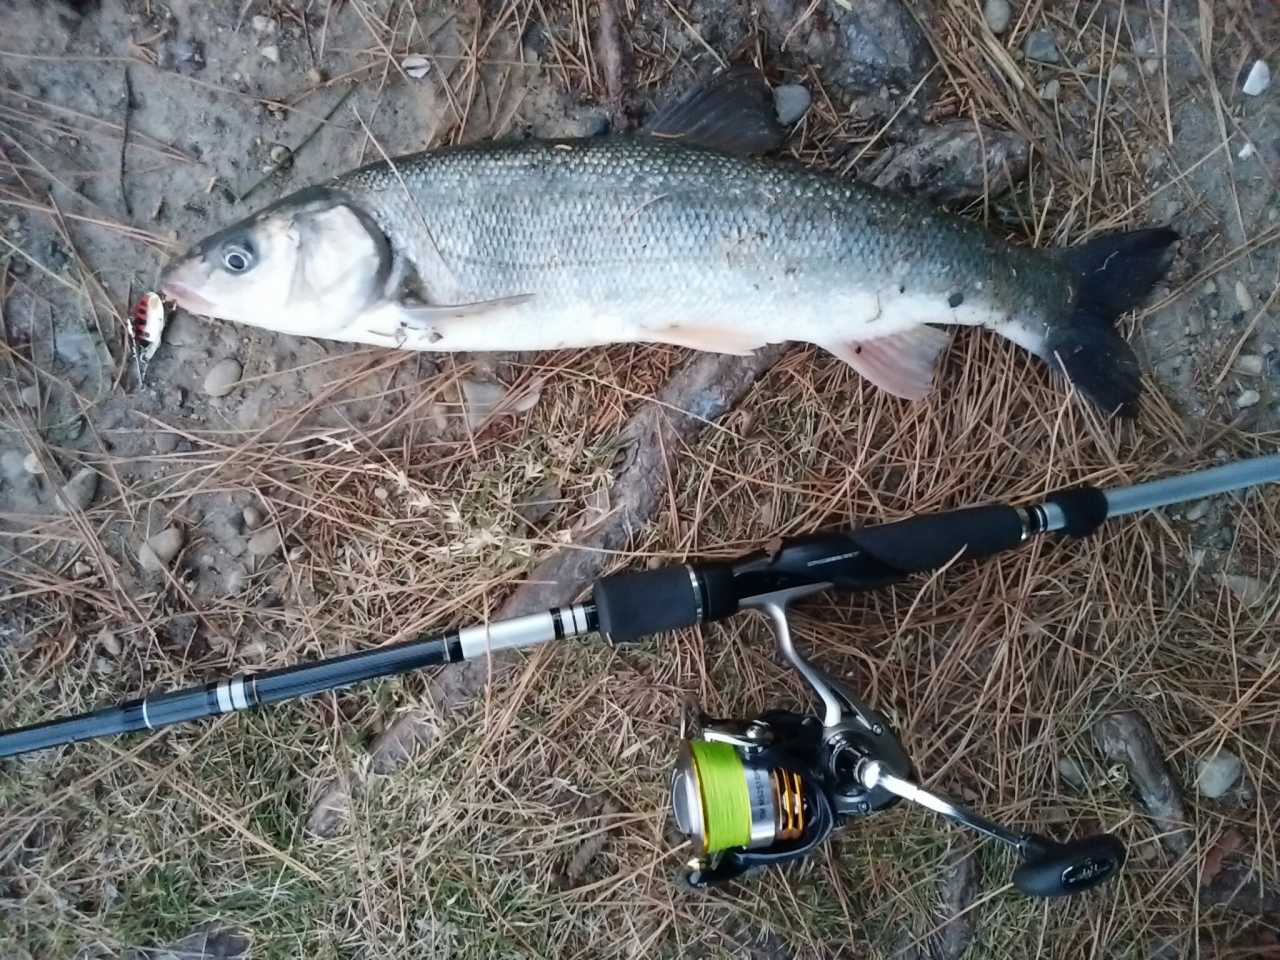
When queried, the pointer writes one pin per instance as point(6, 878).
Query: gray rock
point(252, 517)
point(947, 163)
point(1197, 511)
point(1041, 45)
point(1071, 773)
point(1217, 774)
point(109, 642)
point(1248, 398)
point(1051, 90)
point(860, 46)
point(1258, 80)
point(480, 398)
point(79, 491)
point(223, 377)
point(1249, 364)
point(265, 542)
point(790, 101)
point(1119, 76)
point(1250, 590)
point(997, 13)
point(159, 550)
point(30, 396)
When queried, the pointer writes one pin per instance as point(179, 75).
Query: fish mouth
point(187, 298)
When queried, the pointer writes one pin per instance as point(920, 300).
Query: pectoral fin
point(421, 316)
point(902, 363)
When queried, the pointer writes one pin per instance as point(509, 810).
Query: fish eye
point(237, 257)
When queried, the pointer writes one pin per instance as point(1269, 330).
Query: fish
point(685, 232)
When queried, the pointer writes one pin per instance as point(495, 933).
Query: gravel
point(79, 491)
point(997, 14)
point(1041, 45)
point(790, 102)
point(1217, 774)
point(159, 550)
point(223, 377)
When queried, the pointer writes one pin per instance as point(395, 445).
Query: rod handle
point(1052, 869)
point(638, 603)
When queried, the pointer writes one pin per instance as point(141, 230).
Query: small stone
point(1197, 510)
point(1249, 364)
point(281, 155)
point(252, 517)
point(81, 569)
point(790, 101)
point(1250, 590)
point(223, 377)
point(235, 582)
point(265, 542)
point(481, 397)
point(315, 76)
point(1243, 297)
point(31, 463)
point(270, 52)
point(253, 650)
point(30, 396)
point(380, 494)
point(1050, 90)
point(997, 13)
point(1210, 287)
point(1248, 398)
point(1247, 151)
point(109, 642)
point(166, 442)
point(1150, 67)
point(415, 65)
point(1071, 773)
point(1119, 75)
point(1041, 45)
point(159, 550)
point(1217, 774)
point(1258, 80)
point(102, 666)
point(80, 490)
point(263, 24)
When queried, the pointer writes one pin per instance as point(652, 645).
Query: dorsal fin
point(732, 111)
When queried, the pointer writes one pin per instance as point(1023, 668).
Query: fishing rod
point(769, 790)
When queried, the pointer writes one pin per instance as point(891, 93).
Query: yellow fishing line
point(722, 784)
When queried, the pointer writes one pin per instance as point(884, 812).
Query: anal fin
point(901, 363)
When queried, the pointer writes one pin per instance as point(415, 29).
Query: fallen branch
point(1126, 738)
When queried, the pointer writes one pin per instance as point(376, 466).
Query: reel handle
point(1052, 869)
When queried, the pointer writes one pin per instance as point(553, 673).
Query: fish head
point(306, 265)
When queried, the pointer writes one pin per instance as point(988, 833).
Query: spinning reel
point(767, 791)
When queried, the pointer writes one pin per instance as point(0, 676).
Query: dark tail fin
point(1114, 274)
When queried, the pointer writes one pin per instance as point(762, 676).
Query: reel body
point(771, 790)
point(768, 791)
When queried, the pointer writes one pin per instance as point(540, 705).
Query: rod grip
point(927, 542)
point(638, 603)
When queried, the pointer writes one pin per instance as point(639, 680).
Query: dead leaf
point(1228, 843)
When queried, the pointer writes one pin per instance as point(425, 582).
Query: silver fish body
point(543, 245)
point(648, 240)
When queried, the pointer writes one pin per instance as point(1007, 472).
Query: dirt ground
point(339, 497)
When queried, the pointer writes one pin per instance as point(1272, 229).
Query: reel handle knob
point(1052, 869)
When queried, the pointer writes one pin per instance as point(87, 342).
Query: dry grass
point(398, 518)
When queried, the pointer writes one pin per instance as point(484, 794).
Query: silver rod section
point(874, 775)
point(1193, 486)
